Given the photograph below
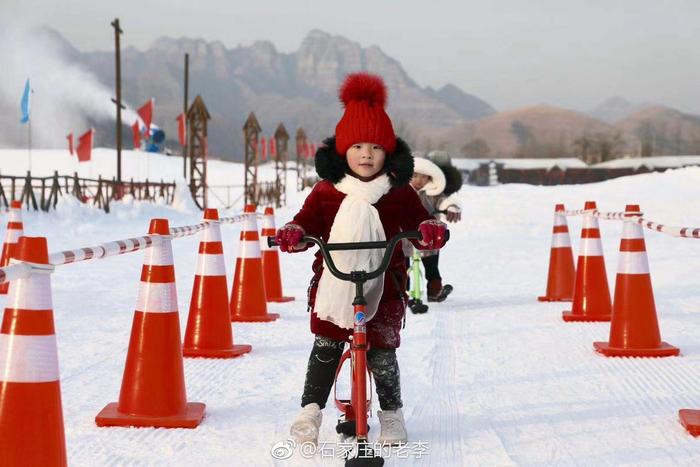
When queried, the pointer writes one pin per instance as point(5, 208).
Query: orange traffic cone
point(271, 260)
point(208, 332)
point(14, 231)
point(591, 300)
point(31, 416)
point(561, 277)
point(690, 419)
point(634, 330)
point(248, 295)
point(153, 387)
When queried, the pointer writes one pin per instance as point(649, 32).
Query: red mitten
point(433, 232)
point(288, 238)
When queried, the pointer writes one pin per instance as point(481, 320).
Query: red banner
point(263, 148)
point(136, 134)
point(182, 129)
point(146, 114)
point(84, 149)
point(70, 143)
point(273, 148)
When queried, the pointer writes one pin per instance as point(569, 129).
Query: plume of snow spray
point(66, 94)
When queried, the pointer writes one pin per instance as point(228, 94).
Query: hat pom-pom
point(363, 87)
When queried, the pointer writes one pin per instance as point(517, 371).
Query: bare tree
point(583, 147)
point(476, 147)
point(645, 133)
point(609, 145)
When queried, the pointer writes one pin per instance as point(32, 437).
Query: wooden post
point(118, 84)
point(251, 130)
point(301, 159)
point(281, 143)
point(197, 118)
point(185, 106)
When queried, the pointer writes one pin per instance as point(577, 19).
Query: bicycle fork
point(359, 370)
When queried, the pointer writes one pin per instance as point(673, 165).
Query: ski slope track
point(489, 377)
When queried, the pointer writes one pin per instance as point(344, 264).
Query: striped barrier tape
point(684, 232)
point(104, 250)
point(681, 232)
point(577, 212)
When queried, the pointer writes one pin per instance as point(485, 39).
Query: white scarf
point(356, 221)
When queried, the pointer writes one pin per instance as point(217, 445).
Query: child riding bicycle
point(363, 196)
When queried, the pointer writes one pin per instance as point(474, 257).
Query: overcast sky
point(512, 53)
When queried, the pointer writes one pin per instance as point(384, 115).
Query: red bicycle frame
point(357, 407)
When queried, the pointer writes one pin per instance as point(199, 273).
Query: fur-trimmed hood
point(332, 166)
point(453, 176)
point(436, 185)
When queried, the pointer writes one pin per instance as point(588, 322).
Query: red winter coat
point(399, 210)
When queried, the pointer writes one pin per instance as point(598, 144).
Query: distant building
point(654, 162)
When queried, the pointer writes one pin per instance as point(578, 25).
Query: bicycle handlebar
point(353, 276)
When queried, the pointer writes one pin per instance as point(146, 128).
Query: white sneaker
point(393, 427)
point(306, 425)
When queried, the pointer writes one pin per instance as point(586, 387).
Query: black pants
point(430, 263)
point(323, 362)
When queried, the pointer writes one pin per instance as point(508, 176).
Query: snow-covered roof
point(656, 161)
point(563, 163)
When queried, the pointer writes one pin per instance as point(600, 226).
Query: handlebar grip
point(271, 242)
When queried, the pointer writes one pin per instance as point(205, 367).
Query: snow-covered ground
point(490, 377)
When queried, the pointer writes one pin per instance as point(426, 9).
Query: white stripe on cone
point(249, 249)
point(591, 247)
point(212, 233)
point(559, 220)
point(633, 262)
point(632, 230)
point(28, 359)
point(210, 265)
point(159, 255)
point(250, 224)
point(15, 215)
point(561, 240)
point(268, 222)
point(157, 298)
point(590, 222)
point(31, 293)
point(12, 235)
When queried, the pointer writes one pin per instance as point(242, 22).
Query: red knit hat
point(364, 96)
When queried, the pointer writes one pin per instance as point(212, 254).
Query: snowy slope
point(490, 377)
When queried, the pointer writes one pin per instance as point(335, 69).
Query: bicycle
point(355, 410)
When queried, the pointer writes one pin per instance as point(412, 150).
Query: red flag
point(137, 134)
point(70, 143)
point(182, 128)
point(273, 148)
point(313, 150)
point(146, 114)
point(263, 148)
point(84, 149)
point(308, 150)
